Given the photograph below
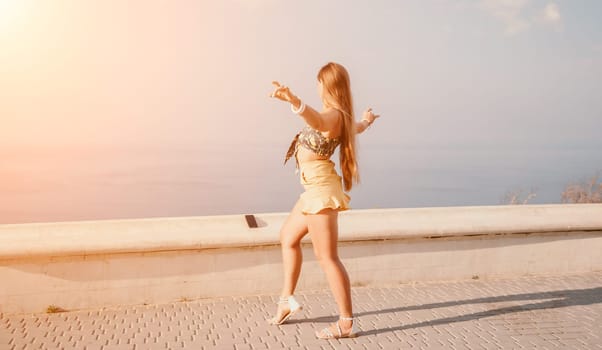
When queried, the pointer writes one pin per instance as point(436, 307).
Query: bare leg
point(324, 235)
point(291, 233)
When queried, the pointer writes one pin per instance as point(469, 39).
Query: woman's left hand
point(370, 116)
point(282, 92)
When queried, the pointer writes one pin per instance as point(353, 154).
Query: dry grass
point(518, 196)
point(53, 309)
point(584, 191)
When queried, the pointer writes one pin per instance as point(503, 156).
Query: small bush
point(53, 309)
point(585, 191)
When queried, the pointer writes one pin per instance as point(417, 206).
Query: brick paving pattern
point(537, 312)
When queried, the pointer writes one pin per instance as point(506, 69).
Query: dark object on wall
point(251, 222)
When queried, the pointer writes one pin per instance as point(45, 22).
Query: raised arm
point(367, 119)
point(361, 126)
point(324, 121)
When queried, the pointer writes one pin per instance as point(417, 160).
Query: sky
point(197, 73)
point(139, 108)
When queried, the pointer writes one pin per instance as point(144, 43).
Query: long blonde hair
point(337, 88)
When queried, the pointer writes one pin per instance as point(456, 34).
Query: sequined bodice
point(313, 140)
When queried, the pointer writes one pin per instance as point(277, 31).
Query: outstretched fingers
point(369, 111)
point(277, 85)
point(280, 91)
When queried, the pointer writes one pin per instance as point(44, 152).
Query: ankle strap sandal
point(326, 333)
point(293, 307)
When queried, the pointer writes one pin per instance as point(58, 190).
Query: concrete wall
point(89, 264)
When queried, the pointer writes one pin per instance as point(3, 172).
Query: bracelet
point(300, 110)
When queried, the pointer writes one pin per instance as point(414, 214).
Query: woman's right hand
point(283, 93)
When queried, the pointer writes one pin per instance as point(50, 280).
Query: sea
point(79, 183)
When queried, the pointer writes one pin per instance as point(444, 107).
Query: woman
point(317, 209)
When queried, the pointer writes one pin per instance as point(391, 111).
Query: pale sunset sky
point(121, 73)
point(193, 77)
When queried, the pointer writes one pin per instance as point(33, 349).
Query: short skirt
point(323, 187)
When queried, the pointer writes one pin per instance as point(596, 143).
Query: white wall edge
point(76, 238)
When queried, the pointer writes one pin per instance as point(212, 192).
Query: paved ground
point(563, 312)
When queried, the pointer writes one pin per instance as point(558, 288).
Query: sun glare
point(10, 11)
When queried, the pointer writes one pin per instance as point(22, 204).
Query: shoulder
point(332, 113)
point(331, 119)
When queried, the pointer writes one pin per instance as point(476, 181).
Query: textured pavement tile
point(534, 312)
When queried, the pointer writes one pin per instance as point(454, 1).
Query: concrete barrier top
point(19, 241)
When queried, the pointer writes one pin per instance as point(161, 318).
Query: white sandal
point(326, 333)
point(293, 306)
